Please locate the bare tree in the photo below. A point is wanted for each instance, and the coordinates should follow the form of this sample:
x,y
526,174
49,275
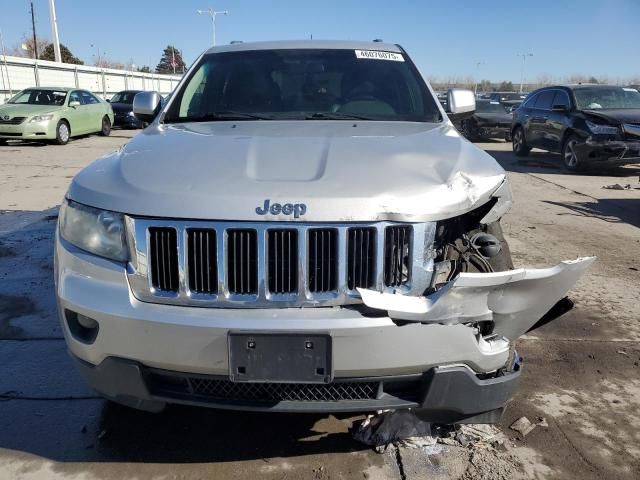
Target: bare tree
x,y
29,51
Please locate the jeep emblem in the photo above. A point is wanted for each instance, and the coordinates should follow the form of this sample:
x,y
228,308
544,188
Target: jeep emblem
x,y
297,209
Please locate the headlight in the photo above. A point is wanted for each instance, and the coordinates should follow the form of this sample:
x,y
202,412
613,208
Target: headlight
x,y
598,129
97,231
131,114
41,118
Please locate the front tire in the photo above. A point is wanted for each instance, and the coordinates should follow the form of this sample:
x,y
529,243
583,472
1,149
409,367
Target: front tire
x,y
63,133
570,158
105,131
519,143
469,131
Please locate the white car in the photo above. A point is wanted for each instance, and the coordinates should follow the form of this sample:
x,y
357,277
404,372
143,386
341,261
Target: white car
x,y
300,228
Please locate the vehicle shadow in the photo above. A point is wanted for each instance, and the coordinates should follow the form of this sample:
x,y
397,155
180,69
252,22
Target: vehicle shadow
x,y
46,409
544,162
614,210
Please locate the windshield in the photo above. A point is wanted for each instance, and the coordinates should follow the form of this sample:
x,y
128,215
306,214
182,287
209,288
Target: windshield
x,y
603,98
304,84
490,107
124,97
40,97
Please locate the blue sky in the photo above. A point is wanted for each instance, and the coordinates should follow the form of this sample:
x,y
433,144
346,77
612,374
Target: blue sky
x,y
446,39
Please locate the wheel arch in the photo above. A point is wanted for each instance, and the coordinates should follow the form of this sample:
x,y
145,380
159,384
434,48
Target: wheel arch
x,y
65,120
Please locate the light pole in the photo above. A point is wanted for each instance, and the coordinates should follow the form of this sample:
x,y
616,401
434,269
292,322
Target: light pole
x,y
475,86
212,13
524,58
54,30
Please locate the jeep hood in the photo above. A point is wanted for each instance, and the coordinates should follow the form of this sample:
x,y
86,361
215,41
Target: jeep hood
x,y
341,171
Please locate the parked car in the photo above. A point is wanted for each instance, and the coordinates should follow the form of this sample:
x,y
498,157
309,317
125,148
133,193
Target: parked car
x,y
590,125
51,113
489,120
506,96
122,104
299,240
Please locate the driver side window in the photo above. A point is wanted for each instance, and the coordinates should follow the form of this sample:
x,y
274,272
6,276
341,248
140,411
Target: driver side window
x,y
74,97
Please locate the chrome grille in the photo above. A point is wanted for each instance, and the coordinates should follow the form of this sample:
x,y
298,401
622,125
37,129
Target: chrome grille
x,y
12,121
361,257
323,260
242,261
163,249
275,264
396,256
282,260
202,260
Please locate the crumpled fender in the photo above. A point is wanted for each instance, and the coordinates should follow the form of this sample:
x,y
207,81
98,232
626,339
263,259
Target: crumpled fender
x,y
514,300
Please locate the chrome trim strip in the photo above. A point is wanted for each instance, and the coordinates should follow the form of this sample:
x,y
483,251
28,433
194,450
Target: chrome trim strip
x,y
138,273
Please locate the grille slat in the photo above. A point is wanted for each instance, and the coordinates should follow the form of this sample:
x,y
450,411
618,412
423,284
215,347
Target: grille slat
x,y
282,260
323,260
396,256
201,260
12,121
361,259
163,245
242,261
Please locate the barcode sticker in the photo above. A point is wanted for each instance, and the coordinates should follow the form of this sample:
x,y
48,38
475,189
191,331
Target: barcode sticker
x,y
378,55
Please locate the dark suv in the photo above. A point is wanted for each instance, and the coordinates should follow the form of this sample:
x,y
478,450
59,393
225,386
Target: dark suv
x,y
587,124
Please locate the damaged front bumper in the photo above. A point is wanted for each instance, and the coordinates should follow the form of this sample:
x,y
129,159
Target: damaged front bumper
x,y
610,151
512,301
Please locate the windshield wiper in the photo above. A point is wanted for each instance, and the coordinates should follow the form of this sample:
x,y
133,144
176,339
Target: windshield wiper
x,y
219,116
335,116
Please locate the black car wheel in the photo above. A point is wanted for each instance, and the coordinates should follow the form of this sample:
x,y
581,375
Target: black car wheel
x,y
106,126
63,133
519,143
469,130
570,157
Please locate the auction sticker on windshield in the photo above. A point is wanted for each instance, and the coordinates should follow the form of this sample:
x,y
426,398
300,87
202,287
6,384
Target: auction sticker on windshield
x,y
377,55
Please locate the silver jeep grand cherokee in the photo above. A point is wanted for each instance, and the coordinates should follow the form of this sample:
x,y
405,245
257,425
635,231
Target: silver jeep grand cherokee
x,y
300,228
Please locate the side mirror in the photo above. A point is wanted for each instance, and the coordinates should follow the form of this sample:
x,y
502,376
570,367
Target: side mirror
x,y
560,108
460,101
108,100
146,105
74,104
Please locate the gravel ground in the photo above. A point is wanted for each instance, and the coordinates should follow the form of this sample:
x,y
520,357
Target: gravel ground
x,y
581,372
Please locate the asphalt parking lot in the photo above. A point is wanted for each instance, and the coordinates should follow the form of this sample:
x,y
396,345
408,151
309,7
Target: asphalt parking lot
x,y
581,375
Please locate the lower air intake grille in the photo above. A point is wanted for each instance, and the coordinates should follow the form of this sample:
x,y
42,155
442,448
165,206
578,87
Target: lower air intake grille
x,y
242,261
202,260
276,392
361,251
396,256
323,260
163,253
282,263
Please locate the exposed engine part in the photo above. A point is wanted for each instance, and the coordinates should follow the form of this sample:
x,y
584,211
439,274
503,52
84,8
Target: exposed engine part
x,y
463,244
486,244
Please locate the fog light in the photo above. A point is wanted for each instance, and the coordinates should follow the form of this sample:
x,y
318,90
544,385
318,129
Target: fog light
x,y
82,328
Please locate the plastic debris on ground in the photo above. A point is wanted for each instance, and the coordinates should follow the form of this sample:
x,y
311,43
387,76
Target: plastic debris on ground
x,y
404,428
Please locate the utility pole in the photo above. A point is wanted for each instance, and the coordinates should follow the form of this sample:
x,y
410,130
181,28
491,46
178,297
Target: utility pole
x,y
6,68
54,30
173,58
524,58
33,28
212,13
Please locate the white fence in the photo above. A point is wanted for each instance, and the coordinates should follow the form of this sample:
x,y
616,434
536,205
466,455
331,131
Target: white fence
x,y
17,73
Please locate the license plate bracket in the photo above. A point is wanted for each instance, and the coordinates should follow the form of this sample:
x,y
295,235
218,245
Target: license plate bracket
x,y
280,358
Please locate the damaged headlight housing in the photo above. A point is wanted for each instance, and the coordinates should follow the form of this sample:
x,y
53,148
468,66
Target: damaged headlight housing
x,y
100,232
599,129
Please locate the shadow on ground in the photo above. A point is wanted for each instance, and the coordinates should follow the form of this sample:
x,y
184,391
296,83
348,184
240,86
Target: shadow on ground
x,y
615,210
545,162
